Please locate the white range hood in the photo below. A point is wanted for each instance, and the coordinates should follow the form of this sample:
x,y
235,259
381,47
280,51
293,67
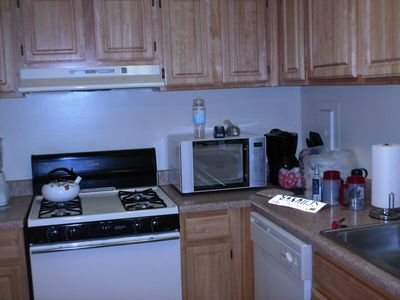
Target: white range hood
x,y
97,78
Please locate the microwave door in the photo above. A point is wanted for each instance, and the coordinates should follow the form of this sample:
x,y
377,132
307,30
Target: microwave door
x,y
205,178
219,166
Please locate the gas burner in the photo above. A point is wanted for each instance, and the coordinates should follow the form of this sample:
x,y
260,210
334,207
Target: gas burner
x,y
139,200
49,209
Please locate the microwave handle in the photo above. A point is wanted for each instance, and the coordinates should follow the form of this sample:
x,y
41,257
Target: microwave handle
x,y
246,163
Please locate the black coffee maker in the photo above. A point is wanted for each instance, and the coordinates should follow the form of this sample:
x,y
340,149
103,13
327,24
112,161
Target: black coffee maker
x,y
281,152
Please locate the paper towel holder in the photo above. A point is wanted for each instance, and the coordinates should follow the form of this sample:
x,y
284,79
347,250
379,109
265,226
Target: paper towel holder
x,y
386,214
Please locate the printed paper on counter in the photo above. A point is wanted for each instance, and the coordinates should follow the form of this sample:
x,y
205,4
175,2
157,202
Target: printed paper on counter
x,y
297,203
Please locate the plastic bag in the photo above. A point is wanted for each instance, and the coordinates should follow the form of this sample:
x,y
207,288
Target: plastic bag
x,y
341,160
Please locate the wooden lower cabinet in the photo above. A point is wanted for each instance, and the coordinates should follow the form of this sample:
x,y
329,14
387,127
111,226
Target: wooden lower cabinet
x,y
217,255
13,271
207,269
332,281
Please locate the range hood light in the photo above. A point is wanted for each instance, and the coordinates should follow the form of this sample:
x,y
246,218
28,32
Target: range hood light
x,y
90,79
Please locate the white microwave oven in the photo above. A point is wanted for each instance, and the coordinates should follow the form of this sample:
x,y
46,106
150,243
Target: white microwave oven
x,y
209,164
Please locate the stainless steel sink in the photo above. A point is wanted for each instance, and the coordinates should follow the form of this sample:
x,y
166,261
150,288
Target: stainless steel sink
x,y
378,244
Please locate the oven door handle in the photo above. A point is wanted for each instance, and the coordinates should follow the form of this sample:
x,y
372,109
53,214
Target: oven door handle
x,y
100,243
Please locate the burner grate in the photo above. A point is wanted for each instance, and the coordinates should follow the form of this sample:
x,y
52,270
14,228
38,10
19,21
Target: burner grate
x,y
50,209
139,200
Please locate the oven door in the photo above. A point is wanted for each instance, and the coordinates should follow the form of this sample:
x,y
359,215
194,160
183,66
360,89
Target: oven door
x,y
139,267
220,164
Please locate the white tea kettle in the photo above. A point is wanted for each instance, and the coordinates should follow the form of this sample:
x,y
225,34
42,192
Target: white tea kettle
x,y
61,190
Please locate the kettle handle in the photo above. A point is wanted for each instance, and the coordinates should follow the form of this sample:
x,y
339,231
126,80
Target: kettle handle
x,y
65,170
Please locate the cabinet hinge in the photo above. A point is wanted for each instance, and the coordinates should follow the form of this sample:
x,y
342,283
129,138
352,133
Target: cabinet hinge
x,y
163,73
155,46
22,50
159,3
268,70
18,5
231,254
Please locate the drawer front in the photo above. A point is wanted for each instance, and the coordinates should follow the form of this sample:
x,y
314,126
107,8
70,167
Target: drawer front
x,y
208,227
331,282
11,244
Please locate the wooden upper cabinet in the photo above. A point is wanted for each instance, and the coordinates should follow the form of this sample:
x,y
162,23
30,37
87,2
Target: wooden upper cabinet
x,y
3,66
332,38
291,40
7,49
379,27
187,42
53,30
244,41
123,30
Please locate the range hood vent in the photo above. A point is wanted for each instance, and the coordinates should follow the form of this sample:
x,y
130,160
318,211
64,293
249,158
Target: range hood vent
x,y
83,79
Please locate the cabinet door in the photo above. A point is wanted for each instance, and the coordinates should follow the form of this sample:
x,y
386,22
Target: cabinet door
x,y
123,29
53,30
291,40
13,271
11,285
380,37
332,39
332,282
244,45
209,272
6,47
187,42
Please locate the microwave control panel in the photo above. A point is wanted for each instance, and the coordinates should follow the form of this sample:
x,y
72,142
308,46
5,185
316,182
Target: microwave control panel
x,y
257,162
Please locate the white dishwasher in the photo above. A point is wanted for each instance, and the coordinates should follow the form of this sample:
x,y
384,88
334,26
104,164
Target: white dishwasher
x,y
282,262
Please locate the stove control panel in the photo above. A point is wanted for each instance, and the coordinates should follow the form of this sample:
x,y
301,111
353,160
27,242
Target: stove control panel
x,y
102,229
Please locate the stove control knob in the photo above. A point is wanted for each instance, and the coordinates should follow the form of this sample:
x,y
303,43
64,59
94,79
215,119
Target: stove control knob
x,y
53,233
70,232
105,229
137,226
155,223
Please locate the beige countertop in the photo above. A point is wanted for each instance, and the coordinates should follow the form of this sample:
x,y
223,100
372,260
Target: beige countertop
x,y
210,200
13,215
306,226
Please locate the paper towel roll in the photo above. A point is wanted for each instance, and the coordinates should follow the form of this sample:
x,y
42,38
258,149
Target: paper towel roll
x,y
385,174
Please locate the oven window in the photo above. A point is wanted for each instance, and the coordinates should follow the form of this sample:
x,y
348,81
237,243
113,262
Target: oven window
x,y
220,164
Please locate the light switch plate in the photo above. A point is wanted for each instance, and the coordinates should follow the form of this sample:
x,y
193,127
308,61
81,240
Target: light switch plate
x,y
328,125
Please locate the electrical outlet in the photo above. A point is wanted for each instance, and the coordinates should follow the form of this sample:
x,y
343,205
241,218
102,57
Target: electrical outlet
x,y
328,124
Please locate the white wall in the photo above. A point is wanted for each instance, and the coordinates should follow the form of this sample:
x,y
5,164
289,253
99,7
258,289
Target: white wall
x,y
367,115
92,121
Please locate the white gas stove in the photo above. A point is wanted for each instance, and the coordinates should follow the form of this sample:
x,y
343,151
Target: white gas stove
x,y
102,205
122,230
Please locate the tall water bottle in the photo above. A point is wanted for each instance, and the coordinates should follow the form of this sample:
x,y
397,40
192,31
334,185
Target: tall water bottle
x,y
199,118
